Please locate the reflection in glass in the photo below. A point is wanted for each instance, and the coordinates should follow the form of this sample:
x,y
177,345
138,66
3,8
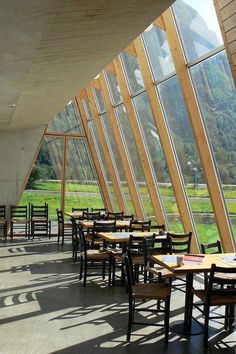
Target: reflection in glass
x,y
82,190
87,110
217,98
44,183
99,101
133,73
158,52
157,160
113,150
198,26
67,121
182,137
137,169
114,88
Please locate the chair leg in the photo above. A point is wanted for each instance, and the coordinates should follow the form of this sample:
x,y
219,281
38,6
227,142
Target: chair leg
x,y
85,274
130,320
167,319
103,269
81,269
206,327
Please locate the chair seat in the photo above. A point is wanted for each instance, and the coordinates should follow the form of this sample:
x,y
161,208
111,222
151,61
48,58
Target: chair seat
x,y
216,300
96,254
225,276
2,222
151,291
165,273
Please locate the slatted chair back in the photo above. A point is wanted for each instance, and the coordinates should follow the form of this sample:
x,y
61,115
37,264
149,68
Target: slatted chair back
x,y
102,210
137,225
80,209
128,217
18,212
103,226
158,228
39,211
211,248
114,215
3,212
180,243
92,216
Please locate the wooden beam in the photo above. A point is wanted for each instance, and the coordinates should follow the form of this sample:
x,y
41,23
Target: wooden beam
x,y
148,173
69,135
116,185
63,174
122,151
200,135
110,68
174,172
101,180
131,50
160,23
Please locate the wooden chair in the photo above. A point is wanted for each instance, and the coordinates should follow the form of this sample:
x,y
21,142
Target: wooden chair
x,y
99,226
210,248
64,228
98,209
220,291
158,229
39,221
92,216
3,222
80,209
137,225
180,244
145,291
19,222
114,215
92,258
75,239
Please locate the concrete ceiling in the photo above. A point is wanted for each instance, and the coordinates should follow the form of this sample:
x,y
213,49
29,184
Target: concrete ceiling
x,y
50,49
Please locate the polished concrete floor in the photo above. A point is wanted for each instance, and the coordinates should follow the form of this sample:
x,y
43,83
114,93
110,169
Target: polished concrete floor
x,y
45,309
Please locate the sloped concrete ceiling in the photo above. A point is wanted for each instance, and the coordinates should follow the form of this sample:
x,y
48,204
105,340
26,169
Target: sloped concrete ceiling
x,y
50,49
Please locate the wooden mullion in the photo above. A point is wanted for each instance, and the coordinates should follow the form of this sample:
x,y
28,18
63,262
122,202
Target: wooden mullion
x,y
101,181
200,134
102,138
63,174
175,176
148,173
121,149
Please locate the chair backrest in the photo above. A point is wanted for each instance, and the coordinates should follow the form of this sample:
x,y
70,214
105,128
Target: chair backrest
x,y
103,226
211,248
136,245
129,272
98,209
60,217
92,216
139,225
80,209
39,211
222,282
2,211
114,215
19,212
180,243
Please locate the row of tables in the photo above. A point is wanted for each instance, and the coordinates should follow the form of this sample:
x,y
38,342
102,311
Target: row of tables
x,y
188,268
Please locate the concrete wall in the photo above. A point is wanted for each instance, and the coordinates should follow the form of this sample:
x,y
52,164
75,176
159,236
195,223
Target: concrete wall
x,y
17,151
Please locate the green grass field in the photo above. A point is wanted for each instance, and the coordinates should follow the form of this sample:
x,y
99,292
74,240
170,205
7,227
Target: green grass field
x,y
206,228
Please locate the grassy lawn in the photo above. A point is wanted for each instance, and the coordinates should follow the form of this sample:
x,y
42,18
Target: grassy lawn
x,y
206,229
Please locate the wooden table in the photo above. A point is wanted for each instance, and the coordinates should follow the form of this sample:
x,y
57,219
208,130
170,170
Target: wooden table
x,y
122,237
189,269
73,214
88,224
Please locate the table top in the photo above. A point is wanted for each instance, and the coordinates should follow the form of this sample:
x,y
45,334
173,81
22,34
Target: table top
x,y
119,223
123,237
73,214
227,260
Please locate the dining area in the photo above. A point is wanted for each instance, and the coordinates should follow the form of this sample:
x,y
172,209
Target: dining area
x,y
154,266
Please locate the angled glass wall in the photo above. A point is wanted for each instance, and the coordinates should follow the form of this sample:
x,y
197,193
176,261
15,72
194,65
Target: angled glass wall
x,y
82,190
44,183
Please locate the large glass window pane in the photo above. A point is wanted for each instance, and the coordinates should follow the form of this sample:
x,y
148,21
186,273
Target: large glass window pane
x,y
99,101
158,52
187,154
116,161
67,121
114,88
82,188
44,184
198,27
217,98
133,73
103,165
157,160
135,162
